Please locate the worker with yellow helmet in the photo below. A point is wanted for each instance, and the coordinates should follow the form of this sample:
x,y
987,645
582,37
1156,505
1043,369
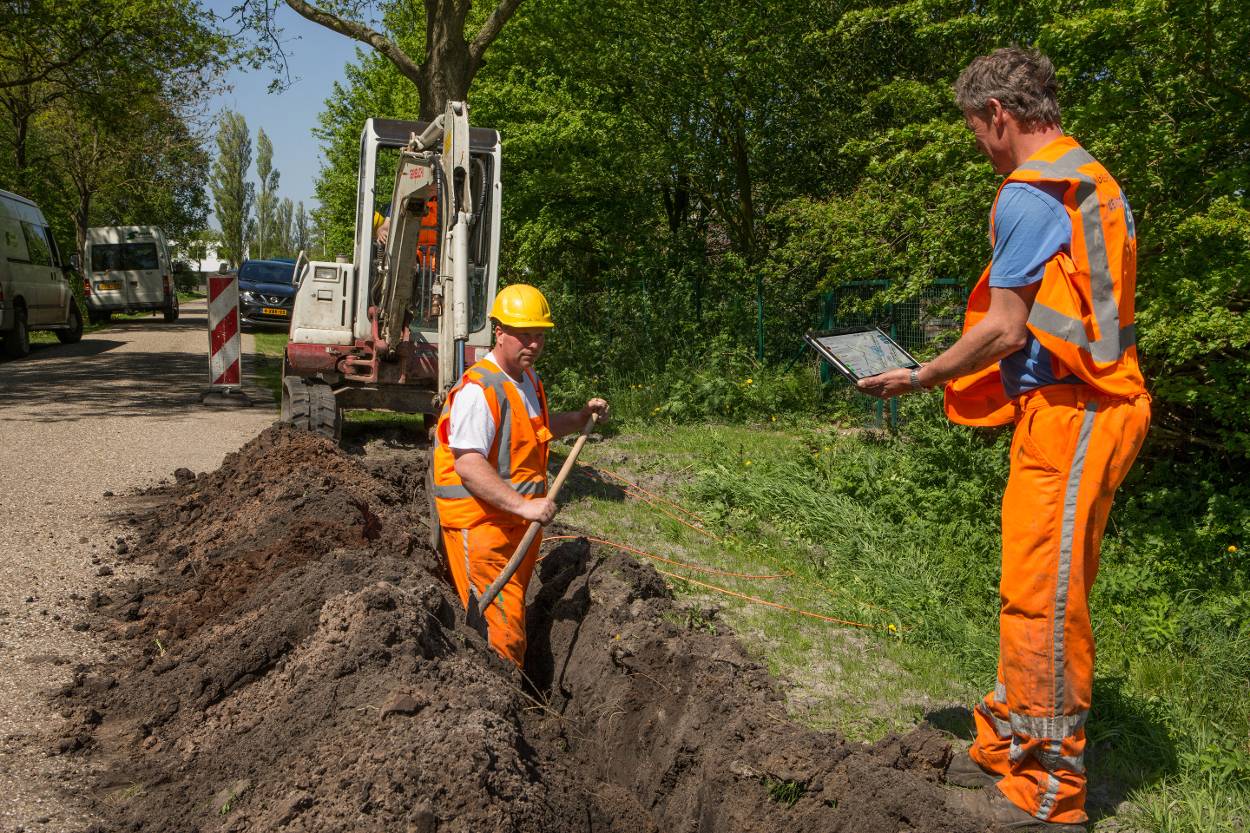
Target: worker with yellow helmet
x,y
490,463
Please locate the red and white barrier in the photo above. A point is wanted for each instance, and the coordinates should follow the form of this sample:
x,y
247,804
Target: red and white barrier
x,y
224,341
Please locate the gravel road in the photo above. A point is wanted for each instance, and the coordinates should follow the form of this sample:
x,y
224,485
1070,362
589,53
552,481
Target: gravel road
x,y
116,411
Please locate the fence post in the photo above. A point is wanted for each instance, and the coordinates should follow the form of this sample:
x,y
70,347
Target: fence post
x,y
893,400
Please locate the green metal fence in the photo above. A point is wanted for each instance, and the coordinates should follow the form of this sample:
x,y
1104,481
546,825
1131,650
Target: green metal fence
x,y
922,325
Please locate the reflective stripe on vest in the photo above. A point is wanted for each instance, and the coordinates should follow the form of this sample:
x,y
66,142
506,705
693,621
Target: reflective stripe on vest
x,y
457,506
1083,310
456,492
1113,339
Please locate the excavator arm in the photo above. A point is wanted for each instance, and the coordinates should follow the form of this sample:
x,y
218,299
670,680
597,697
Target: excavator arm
x,y
426,262
390,327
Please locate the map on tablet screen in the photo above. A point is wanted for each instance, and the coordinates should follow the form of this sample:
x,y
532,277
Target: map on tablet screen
x,y
860,353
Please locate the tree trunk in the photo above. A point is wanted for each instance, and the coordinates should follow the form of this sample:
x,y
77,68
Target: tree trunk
x,y
447,70
450,61
82,220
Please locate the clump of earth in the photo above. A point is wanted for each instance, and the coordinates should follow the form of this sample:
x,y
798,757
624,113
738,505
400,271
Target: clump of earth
x,y
296,659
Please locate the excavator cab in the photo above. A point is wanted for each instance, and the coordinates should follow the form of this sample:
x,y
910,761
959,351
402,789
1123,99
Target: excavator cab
x,y
394,326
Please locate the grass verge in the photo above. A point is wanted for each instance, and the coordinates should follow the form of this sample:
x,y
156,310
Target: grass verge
x,y
266,360
266,367
903,531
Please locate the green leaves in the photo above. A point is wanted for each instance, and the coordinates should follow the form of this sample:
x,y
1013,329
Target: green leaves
x,y
233,194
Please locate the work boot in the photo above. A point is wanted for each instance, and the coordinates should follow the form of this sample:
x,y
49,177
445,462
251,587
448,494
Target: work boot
x,y
995,809
965,772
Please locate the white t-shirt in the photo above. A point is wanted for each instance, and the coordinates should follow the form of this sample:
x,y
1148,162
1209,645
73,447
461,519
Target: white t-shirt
x,y
472,426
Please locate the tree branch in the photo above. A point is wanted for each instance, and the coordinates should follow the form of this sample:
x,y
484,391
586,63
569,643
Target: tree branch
x,y
47,70
489,31
358,31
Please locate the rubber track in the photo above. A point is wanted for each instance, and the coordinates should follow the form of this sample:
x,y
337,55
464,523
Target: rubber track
x,y
313,408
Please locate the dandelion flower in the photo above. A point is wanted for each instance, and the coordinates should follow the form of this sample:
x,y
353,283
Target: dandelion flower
x,y
749,382
891,628
1232,548
746,463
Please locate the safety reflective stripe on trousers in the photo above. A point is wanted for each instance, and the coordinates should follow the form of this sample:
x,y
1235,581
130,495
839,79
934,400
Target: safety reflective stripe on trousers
x,y
1113,340
1052,784
1067,536
468,580
1023,725
1001,727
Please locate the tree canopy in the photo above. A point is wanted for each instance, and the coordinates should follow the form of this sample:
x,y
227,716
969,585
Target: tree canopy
x,y
233,194
100,102
670,171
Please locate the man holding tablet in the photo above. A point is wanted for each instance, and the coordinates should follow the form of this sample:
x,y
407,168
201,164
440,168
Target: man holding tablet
x,y
1048,343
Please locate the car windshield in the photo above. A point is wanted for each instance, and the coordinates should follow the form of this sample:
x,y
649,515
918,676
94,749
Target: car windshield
x,y
107,257
262,272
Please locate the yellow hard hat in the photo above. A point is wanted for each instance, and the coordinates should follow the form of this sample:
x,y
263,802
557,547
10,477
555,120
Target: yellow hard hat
x,y
521,306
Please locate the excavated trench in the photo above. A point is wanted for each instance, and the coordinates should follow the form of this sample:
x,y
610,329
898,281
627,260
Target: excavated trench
x,y
295,659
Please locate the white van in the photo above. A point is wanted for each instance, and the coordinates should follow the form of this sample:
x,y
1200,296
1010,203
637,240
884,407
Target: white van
x,y
128,270
34,288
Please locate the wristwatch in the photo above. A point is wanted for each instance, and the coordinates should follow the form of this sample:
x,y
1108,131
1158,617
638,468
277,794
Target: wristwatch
x,y
915,379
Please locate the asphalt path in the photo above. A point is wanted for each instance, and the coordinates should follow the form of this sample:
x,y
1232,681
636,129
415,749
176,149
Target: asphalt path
x,y
119,410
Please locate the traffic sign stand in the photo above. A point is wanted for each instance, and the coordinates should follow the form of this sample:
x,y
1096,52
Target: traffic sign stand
x,y
225,360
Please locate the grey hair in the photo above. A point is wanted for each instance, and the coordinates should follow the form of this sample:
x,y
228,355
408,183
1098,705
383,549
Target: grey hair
x,y
1023,80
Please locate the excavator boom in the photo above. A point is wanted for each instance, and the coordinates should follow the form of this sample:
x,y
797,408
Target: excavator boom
x,y
394,329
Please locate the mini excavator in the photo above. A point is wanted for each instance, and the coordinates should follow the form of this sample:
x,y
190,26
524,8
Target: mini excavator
x,y
395,327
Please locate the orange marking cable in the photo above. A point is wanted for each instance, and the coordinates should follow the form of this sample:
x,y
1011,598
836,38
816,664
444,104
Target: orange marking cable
x,y
696,567
638,488
634,490
659,508
638,493
757,600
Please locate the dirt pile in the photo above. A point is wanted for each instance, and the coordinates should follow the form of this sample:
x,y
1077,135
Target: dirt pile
x,y
297,661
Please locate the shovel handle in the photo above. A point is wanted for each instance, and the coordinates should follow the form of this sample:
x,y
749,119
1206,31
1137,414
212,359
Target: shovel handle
x,y
517,557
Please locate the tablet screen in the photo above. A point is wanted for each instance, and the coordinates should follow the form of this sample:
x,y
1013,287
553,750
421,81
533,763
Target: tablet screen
x,y
867,353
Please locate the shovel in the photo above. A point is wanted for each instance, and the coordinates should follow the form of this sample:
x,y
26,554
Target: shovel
x,y
517,557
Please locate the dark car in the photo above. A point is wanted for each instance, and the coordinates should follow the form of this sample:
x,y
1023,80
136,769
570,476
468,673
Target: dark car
x,y
266,293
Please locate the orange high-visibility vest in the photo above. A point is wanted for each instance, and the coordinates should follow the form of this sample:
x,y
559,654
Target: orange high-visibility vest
x,y
518,453
1084,309
427,234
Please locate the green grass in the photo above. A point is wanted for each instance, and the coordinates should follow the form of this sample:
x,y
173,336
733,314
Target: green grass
x,y
266,367
784,792
903,531
865,681
266,362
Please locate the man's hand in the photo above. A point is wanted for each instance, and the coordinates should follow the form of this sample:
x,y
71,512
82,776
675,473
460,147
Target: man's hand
x,y
571,422
539,509
384,231
884,385
595,406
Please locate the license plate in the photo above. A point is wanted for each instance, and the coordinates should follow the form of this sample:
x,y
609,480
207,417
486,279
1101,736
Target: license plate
x,y
108,286
274,311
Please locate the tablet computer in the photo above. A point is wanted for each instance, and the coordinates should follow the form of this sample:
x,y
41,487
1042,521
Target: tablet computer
x,y
860,352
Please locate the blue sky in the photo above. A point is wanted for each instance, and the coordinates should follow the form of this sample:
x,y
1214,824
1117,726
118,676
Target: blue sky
x,y
317,57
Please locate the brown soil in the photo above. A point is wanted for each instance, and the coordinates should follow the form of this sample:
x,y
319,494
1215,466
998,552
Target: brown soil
x,y
297,661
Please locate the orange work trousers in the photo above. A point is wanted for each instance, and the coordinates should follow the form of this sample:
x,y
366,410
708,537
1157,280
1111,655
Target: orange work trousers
x,y
1071,450
476,557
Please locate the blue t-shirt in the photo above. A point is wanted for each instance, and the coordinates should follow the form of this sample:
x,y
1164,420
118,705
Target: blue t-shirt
x,y
1030,227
